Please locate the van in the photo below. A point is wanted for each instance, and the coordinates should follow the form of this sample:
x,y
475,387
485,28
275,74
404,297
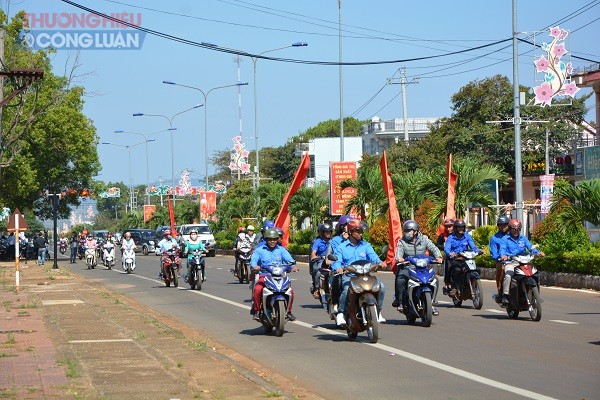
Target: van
x,y
204,234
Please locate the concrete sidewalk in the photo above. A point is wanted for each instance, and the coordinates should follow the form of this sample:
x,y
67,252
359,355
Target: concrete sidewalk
x,y
63,337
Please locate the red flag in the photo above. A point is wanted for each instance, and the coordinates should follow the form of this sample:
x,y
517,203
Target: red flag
x,y
451,177
283,218
171,217
395,223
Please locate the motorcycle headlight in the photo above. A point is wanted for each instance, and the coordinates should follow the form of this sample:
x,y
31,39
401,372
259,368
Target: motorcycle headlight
x,y
421,262
376,286
356,287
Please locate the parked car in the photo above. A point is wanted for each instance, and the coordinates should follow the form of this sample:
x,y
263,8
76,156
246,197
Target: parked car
x,y
204,234
144,239
100,234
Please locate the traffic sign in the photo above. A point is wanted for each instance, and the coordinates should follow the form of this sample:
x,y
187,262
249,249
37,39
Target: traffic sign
x,y
16,220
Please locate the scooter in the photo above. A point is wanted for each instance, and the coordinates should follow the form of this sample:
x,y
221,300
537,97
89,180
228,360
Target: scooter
x,y
422,286
63,247
90,257
128,260
196,276
109,255
325,291
524,293
170,267
276,297
243,264
468,286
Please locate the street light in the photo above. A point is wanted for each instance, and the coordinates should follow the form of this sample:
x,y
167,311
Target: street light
x,y
254,59
129,147
170,119
145,136
205,94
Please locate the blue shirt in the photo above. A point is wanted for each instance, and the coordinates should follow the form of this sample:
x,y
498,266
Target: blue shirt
x,y
319,246
264,256
495,242
510,246
347,253
454,244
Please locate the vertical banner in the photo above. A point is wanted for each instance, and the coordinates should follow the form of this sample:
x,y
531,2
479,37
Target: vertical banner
x,y
208,204
546,189
149,210
394,221
338,172
450,209
171,216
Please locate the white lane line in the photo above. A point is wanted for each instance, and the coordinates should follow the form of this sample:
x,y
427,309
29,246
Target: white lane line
x,y
560,321
60,302
495,311
100,341
431,363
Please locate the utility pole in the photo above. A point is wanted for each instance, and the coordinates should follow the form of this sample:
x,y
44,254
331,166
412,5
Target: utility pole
x,y
403,82
238,61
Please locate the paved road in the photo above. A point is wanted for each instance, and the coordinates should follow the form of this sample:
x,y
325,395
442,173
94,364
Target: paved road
x,y
466,353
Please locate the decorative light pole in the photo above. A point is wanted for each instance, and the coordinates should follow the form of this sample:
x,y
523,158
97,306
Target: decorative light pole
x,y
256,183
205,94
170,119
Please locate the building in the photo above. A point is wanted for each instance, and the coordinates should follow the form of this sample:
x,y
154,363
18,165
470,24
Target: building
x,y
379,135
322,151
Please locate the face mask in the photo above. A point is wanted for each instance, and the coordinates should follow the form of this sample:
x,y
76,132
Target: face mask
x,y
408,236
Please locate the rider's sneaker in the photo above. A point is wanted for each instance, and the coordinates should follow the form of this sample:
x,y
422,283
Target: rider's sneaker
x,y
340,320
435,311
254,315
380,318
395,304
445,290
505,301
185,279
160,275
290,316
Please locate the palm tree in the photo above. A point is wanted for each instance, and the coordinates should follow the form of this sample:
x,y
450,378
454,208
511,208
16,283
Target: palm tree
x,y
576,204
270,197
309,203
370,194
408,189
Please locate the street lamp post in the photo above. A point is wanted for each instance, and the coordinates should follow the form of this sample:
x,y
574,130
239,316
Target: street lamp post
x,y
170,119
254,59
146,140
129,147
205,94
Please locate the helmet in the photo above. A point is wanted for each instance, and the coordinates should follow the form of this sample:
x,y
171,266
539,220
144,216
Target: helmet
x,y
240,229
167,232
459,223
515,224
267,224
344,219
448,222
503,220
326,227
250,228
84,232
279,231
355,224
271,233
410,225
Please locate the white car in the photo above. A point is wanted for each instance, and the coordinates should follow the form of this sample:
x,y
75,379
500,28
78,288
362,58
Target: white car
x,y
204,234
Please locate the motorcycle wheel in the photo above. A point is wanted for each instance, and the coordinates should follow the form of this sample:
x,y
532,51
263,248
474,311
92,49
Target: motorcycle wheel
x,y
128,268
426,311
280,314
166,277
241,272
456,302
513,313
108,265
174,277
352,334
372,324
535,309
199,278
477,297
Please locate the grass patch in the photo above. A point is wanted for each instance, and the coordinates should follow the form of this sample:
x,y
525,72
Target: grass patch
x,y
29,304
29,348
273,393
140,336
179,364
22,313
7,305
4,355
31,390
198,346
117,301
71,367
151,321
8,393
10,338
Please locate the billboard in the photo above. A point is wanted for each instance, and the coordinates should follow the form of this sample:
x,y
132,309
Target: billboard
x,y
338,198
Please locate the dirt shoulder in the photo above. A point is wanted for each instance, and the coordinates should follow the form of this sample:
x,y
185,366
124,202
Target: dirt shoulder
x,y
63,337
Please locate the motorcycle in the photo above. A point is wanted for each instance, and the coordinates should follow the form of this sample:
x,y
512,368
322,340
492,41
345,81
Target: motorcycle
x,y
468,286
63,247
363,295
243,265
128,260
524,293
325,291
80,251
421,288
276,297
109,255
90,257
196,275
170,267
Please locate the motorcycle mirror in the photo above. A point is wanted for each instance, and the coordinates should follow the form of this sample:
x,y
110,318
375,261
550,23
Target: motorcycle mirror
x,y
332,257
384,251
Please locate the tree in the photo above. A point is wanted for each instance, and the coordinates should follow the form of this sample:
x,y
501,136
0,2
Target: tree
x,y
311,203
575,204
47,141
369,196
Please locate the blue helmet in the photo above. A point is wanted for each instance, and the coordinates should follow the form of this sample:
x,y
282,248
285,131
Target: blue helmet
x,y
344,219
266,225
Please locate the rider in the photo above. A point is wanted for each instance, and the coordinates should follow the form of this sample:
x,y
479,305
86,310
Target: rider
x,y
81,248
412,243
495,242
353,249
265,255
91,243
109,245
63,241
281,234
239,238
457,242
266,225
74,243
127,243
340,235
440,242
317,252
513,244
192,244
167,243
250,235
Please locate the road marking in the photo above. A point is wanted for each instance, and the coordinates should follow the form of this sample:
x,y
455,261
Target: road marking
x,y
495,311
100,341
388,349
560,321
60,302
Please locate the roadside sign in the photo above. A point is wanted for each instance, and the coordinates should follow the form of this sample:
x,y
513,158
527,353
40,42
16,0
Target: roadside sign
x,y
20,225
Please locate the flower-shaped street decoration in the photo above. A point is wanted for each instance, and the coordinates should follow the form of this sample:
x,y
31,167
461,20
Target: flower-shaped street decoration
x,y
557,73
185,186
239,157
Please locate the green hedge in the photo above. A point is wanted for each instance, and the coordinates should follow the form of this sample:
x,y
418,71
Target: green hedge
x,y
580,262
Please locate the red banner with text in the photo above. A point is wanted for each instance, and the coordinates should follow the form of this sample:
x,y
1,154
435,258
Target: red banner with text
x,y
339,172
208,204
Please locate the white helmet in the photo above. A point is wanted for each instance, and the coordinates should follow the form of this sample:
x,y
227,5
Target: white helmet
x,y
250,228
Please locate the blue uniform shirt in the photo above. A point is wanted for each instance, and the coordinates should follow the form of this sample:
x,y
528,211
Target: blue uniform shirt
x,y
320,246
454,244
510,246
265,256
347,253
495,242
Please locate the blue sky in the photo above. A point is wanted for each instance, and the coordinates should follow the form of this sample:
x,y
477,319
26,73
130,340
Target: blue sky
x,y
295,96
